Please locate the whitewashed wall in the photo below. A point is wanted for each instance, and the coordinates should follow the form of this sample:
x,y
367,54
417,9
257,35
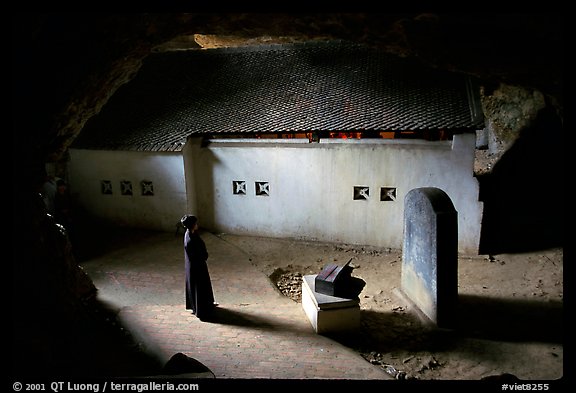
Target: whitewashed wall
x,y
312,187
165,170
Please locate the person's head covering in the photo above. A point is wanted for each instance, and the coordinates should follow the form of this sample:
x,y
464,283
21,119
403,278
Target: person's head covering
x,y
188,221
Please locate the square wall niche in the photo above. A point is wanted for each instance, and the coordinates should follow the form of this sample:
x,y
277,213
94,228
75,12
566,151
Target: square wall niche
x,y
239,187
388,194
262,188
147,188
106,187
126,187
361,193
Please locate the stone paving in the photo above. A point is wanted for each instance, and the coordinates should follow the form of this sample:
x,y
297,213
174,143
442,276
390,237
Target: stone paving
x,y
256,333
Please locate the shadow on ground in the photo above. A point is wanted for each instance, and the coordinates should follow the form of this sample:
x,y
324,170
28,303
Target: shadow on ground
x,y
92,239
510,319
93,344
499,320
226,316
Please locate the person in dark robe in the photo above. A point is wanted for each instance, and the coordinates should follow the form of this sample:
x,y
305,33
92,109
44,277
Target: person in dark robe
x,y
199,294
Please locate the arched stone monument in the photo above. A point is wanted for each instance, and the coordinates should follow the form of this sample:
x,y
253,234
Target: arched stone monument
x,y
430,254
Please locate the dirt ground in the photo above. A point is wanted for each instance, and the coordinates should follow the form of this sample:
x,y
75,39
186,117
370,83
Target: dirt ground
x,y
509,322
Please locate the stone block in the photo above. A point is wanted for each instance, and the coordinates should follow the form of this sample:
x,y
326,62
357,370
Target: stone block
x,y
329,314
430,254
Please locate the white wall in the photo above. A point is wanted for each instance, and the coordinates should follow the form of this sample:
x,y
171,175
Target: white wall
x,y
311,187
165,170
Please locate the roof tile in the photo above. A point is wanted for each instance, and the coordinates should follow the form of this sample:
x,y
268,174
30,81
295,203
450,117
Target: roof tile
x,y
302,87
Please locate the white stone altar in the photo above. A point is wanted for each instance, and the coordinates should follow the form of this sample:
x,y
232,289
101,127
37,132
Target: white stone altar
x,y
329,314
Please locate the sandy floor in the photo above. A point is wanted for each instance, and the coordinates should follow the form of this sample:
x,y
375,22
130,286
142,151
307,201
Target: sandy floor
x,y
510,312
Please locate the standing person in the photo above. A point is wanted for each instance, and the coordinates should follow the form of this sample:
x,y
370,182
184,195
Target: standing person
x,y
199,295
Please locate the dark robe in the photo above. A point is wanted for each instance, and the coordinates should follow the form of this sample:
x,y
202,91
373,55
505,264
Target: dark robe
x,y
199,295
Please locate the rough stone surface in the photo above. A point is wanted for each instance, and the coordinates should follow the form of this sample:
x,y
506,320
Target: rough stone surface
x,y
429,257
509,109
66,66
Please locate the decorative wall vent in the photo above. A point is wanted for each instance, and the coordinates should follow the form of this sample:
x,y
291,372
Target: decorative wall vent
x,y
106,187
126,187
388,193
262,188
147,188
239,187
361,193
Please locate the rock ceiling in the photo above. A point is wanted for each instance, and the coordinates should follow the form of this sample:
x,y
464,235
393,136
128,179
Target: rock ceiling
x,y
66,66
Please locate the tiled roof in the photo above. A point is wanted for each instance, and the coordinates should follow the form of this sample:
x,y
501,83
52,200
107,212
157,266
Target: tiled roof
x,y
278,88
